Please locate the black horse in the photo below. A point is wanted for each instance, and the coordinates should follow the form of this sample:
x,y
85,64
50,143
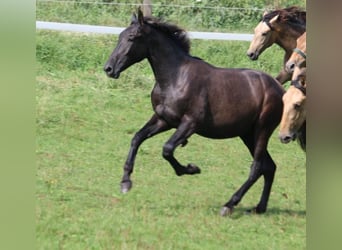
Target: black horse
x,y
196,97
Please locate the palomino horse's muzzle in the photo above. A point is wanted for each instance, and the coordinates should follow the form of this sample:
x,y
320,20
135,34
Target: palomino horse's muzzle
x,y
287,138
253,55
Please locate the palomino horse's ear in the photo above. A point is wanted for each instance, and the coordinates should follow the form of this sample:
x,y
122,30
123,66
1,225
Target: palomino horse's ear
x,y
140,16
274,19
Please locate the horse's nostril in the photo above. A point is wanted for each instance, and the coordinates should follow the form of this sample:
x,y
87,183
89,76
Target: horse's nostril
x,y
108,69
285,139
289,67
253,56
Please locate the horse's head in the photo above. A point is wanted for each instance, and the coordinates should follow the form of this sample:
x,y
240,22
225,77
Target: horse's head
x,y
294,113
298,57
299,75
264,37
297,60
131,47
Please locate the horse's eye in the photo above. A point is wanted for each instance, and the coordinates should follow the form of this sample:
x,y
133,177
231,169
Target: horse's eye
x,y
264,33
302,64
296,106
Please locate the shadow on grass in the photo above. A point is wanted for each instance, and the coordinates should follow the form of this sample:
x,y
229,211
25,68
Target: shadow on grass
x,y
180,207
245,211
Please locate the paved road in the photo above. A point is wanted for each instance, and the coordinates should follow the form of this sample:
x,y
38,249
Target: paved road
x,y
116,30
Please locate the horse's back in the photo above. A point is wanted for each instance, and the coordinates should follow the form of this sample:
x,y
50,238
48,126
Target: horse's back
x,y
239,98
235,77
236,85
247,83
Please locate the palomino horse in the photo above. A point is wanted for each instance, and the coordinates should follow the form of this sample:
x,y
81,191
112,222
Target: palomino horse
x,y
193,96
293,121
282,27
297,60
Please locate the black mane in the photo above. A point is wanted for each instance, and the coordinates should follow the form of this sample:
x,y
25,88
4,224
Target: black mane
x,y
177,34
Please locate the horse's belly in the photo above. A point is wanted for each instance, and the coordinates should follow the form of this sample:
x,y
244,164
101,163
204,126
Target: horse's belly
x,y
226,130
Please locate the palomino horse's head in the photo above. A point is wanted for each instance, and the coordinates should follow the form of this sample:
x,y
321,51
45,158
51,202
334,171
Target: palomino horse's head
x,y
298,57
299,75
294,112
264,37
131,47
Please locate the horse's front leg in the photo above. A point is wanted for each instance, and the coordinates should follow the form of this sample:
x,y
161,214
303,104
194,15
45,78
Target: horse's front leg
x,y
151,128
283,76
183,132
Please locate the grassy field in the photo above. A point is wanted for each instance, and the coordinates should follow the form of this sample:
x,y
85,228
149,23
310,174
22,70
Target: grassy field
x,y
85,122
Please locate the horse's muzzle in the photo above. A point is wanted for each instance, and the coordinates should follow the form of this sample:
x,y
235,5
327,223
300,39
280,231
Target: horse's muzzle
x,y
289,67
110,72
287,138
253,56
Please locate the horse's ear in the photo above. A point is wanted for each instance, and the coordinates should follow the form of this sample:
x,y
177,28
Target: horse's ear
x,y
140,17
133,18
265,13
274,19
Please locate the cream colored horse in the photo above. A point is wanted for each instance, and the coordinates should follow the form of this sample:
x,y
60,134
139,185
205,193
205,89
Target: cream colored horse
x,y
293,121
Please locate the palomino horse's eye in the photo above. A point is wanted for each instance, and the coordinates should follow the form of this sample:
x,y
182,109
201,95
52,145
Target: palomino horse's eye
x,y
296,106
264,34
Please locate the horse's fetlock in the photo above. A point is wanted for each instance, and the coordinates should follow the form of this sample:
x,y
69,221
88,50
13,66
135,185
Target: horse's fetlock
x,y
167,151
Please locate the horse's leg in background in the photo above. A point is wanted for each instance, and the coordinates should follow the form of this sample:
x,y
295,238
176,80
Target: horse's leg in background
x,y
151,128
183,132
283,76
262,165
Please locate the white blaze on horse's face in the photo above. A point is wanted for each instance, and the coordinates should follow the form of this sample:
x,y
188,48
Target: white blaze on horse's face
x,y
263,38
294,114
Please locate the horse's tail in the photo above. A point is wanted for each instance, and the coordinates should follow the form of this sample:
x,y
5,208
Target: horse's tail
x,y
301,136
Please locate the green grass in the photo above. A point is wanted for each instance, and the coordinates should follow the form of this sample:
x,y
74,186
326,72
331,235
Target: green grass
x,y
204,15
85,122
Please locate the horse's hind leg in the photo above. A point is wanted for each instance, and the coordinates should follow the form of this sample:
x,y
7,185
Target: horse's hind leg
x,y
262,165
183,132
151,128
268,171
254,175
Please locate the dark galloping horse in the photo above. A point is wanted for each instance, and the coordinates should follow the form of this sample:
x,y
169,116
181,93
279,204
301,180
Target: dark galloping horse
x,y
196,97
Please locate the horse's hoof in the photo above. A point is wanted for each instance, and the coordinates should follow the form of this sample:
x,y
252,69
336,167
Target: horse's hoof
x,y
255,210
126,186
193,169
226,211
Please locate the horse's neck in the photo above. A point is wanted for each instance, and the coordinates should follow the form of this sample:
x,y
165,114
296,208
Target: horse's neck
x,y
287,39
165,60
